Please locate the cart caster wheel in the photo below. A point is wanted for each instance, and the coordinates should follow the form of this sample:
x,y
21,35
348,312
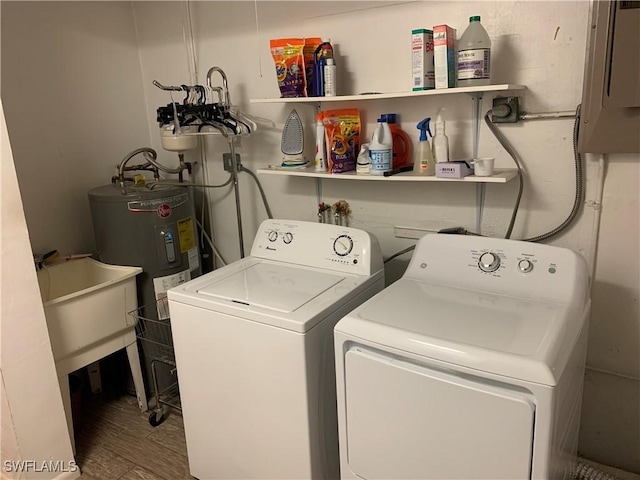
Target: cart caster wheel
x,y
155,421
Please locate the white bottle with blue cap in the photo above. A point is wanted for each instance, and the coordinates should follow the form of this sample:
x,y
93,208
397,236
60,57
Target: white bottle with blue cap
x,y
381,149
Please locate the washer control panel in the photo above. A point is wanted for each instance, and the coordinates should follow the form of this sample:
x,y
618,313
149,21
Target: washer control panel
x,y
317,244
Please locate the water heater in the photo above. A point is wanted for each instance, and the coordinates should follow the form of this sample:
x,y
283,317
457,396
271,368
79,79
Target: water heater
x,y
153,229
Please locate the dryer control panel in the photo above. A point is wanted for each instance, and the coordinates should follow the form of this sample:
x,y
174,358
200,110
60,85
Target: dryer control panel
x,y
507,267
320,245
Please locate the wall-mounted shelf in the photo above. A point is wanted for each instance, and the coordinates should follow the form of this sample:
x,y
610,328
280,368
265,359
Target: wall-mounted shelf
x,y
500,176
381,96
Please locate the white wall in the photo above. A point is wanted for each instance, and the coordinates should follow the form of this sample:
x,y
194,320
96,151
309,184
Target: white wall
x,y
73,97
610,429
31,404
538,44
372,41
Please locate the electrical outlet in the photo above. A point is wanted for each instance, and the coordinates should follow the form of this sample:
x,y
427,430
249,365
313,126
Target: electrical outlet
x,y
513,103
228,164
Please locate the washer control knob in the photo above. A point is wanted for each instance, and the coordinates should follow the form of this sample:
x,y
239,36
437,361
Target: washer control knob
x,y
287,238
343,245
525,266
272,236
489,262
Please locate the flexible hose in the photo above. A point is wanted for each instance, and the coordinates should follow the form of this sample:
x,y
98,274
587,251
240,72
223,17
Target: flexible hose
x,y
152,160
579,179
587,472
153,185
507,146
580,190
401,252
264,197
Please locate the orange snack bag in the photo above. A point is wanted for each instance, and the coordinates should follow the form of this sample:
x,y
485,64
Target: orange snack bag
x,y
288,55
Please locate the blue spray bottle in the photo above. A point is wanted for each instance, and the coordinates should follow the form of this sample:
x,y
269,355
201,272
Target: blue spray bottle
x,y
424,163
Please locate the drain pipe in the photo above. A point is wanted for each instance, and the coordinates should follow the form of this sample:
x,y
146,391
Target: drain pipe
x,y
588,472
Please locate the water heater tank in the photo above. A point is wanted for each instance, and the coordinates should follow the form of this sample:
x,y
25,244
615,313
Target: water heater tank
x,y
153,229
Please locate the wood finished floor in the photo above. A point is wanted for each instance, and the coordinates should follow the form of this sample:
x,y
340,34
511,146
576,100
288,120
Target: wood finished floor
x,y
116,442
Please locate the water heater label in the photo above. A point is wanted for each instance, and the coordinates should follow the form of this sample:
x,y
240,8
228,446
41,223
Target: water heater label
x,y
186,234
159,205
160,287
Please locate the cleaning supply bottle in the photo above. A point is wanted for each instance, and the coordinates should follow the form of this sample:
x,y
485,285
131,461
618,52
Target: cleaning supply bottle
x,y
381,149
424,164
474,55
322,53
330,78
363,163
440,140
401,142
320,158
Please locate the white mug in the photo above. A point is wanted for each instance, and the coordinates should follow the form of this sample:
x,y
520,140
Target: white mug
x,y
483,167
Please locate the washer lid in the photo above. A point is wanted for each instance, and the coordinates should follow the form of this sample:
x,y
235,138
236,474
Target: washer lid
x,y
271,286
509,336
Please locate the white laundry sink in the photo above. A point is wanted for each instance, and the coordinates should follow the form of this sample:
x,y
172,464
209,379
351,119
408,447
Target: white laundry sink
x,y
86,304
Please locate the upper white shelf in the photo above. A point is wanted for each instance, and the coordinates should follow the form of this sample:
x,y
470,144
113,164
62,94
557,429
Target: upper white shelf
x,y
381,96
499,176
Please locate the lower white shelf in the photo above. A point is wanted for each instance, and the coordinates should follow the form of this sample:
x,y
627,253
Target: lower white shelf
x,y
501,175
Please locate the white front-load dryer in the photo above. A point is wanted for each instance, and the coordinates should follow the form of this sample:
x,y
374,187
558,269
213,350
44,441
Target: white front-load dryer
x,y
469,367
254,351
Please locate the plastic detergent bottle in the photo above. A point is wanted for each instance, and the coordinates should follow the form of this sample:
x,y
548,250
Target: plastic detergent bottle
x,y
401,142
474,55
440,140
381,149
424,164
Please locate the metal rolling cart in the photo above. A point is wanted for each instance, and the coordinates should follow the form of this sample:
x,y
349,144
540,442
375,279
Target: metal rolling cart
x,y
153,329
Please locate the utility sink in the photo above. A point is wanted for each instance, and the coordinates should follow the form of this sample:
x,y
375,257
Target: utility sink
x,y
86,304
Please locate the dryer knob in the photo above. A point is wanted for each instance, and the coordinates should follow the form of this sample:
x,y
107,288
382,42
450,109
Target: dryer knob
x,y
525,265
272,236
489,262
288,237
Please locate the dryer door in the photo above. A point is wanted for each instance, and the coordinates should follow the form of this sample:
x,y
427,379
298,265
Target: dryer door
x,y
412,422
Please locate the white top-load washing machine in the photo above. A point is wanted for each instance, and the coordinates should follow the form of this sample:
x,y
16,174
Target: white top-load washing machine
x,y
254,351
469,367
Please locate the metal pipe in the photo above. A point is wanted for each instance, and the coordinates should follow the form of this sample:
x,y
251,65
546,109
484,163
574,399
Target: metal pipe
x,y
539,116
236,191
121,168
159,166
